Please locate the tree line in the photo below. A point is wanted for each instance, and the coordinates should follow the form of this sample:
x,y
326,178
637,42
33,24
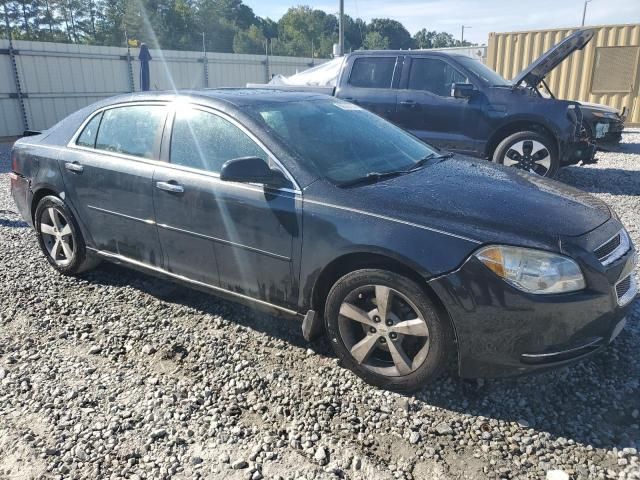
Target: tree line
x,y
217,25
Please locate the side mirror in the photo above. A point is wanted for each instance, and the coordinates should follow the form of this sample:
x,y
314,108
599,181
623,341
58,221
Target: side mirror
x,y
251,170
463,90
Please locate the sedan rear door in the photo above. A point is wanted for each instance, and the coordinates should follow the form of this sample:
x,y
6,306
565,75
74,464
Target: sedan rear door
x,y
107,170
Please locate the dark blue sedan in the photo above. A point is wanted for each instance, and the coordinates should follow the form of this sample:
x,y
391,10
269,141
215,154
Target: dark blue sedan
x,y
313,207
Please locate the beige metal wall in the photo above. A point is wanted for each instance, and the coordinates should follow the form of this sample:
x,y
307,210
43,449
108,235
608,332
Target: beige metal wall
x,y
598,74
57,79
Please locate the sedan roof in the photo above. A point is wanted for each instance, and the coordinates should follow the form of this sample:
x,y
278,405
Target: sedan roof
x,y
238,97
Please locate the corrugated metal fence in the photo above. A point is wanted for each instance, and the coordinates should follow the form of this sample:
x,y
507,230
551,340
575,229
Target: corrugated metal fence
x,y
56,78
607,71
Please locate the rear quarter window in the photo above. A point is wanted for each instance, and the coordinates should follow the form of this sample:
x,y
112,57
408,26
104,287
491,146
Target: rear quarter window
x,y
88,136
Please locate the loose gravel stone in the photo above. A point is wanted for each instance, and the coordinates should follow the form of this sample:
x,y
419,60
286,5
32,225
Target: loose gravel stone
x,y
118,376
557,475
239,464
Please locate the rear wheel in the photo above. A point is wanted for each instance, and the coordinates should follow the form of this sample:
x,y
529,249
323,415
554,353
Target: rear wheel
x,y
60,238
529,151
385,328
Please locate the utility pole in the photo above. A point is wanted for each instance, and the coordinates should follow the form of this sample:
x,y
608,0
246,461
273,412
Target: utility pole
x,y
462,35
341,29
584,11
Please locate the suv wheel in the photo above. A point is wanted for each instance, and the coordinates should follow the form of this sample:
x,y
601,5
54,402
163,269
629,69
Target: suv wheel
x,y
529,151
60,238
384,327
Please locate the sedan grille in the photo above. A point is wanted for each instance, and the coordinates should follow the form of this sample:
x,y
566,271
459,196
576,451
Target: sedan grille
x,y
626,290
614,248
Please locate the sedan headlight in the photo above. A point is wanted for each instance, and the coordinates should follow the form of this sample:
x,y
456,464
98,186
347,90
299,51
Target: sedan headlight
x,y
532,271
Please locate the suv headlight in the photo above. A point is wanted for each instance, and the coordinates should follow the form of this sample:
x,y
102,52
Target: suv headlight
x,y
611,115
532,271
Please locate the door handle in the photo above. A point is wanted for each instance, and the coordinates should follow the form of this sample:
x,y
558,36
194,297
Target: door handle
x,y
409,103
74,167
170,187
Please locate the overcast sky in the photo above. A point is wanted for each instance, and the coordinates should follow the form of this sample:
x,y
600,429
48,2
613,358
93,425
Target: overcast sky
x,y
482,16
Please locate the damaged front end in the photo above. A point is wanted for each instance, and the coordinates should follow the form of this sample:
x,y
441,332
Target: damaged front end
x,y
581,149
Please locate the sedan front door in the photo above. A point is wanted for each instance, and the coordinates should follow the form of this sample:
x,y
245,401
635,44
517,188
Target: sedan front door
x,y
233,236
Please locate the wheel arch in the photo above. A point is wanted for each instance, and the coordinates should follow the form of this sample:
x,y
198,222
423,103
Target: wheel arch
x,y
47,189
39,194
518,126
350,262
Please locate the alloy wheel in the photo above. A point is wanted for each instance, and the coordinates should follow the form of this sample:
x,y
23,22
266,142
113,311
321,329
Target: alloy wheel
x,y
57,236
529,155
383,330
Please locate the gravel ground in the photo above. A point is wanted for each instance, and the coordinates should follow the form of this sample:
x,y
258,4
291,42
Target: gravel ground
x,y
114,376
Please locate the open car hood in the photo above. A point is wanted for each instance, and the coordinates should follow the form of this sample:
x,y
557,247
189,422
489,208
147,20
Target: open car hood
x,y
535,73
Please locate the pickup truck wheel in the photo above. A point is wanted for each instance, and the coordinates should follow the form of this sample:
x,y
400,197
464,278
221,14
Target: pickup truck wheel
x,y
60,238
385,329
529,151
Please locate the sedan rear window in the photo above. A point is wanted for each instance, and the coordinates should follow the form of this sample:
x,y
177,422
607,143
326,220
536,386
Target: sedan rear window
x,y
132,130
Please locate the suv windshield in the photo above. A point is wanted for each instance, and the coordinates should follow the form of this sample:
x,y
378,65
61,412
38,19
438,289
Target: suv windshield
x,y
483,72
342,141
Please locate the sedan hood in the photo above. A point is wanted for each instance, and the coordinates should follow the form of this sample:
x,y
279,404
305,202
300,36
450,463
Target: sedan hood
x,y
535,73
482,201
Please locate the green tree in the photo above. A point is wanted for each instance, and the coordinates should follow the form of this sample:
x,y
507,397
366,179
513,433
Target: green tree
x,y
375,41
251,41
303,29
354,33
432,39
394,31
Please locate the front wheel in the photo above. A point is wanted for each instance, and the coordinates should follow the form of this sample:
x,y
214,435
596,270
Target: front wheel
x,y
530,151
384,327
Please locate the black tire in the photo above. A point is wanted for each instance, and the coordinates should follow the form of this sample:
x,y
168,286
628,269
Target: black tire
x,y
506,154
79,261
589,131
440,336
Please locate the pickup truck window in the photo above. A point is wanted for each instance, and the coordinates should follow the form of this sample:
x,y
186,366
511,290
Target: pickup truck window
x,y
483,72
372,72
433,75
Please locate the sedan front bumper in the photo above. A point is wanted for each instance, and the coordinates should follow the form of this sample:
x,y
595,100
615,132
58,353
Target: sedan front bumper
x,y
502,331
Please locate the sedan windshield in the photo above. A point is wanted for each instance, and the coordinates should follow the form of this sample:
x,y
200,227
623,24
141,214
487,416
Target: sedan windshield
x,y
342,141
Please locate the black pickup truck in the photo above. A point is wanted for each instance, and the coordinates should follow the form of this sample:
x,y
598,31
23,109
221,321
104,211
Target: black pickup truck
x,y
457,103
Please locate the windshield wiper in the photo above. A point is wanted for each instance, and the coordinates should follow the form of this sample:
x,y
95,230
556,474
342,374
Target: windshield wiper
x,y
424,160
376,176
371,177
